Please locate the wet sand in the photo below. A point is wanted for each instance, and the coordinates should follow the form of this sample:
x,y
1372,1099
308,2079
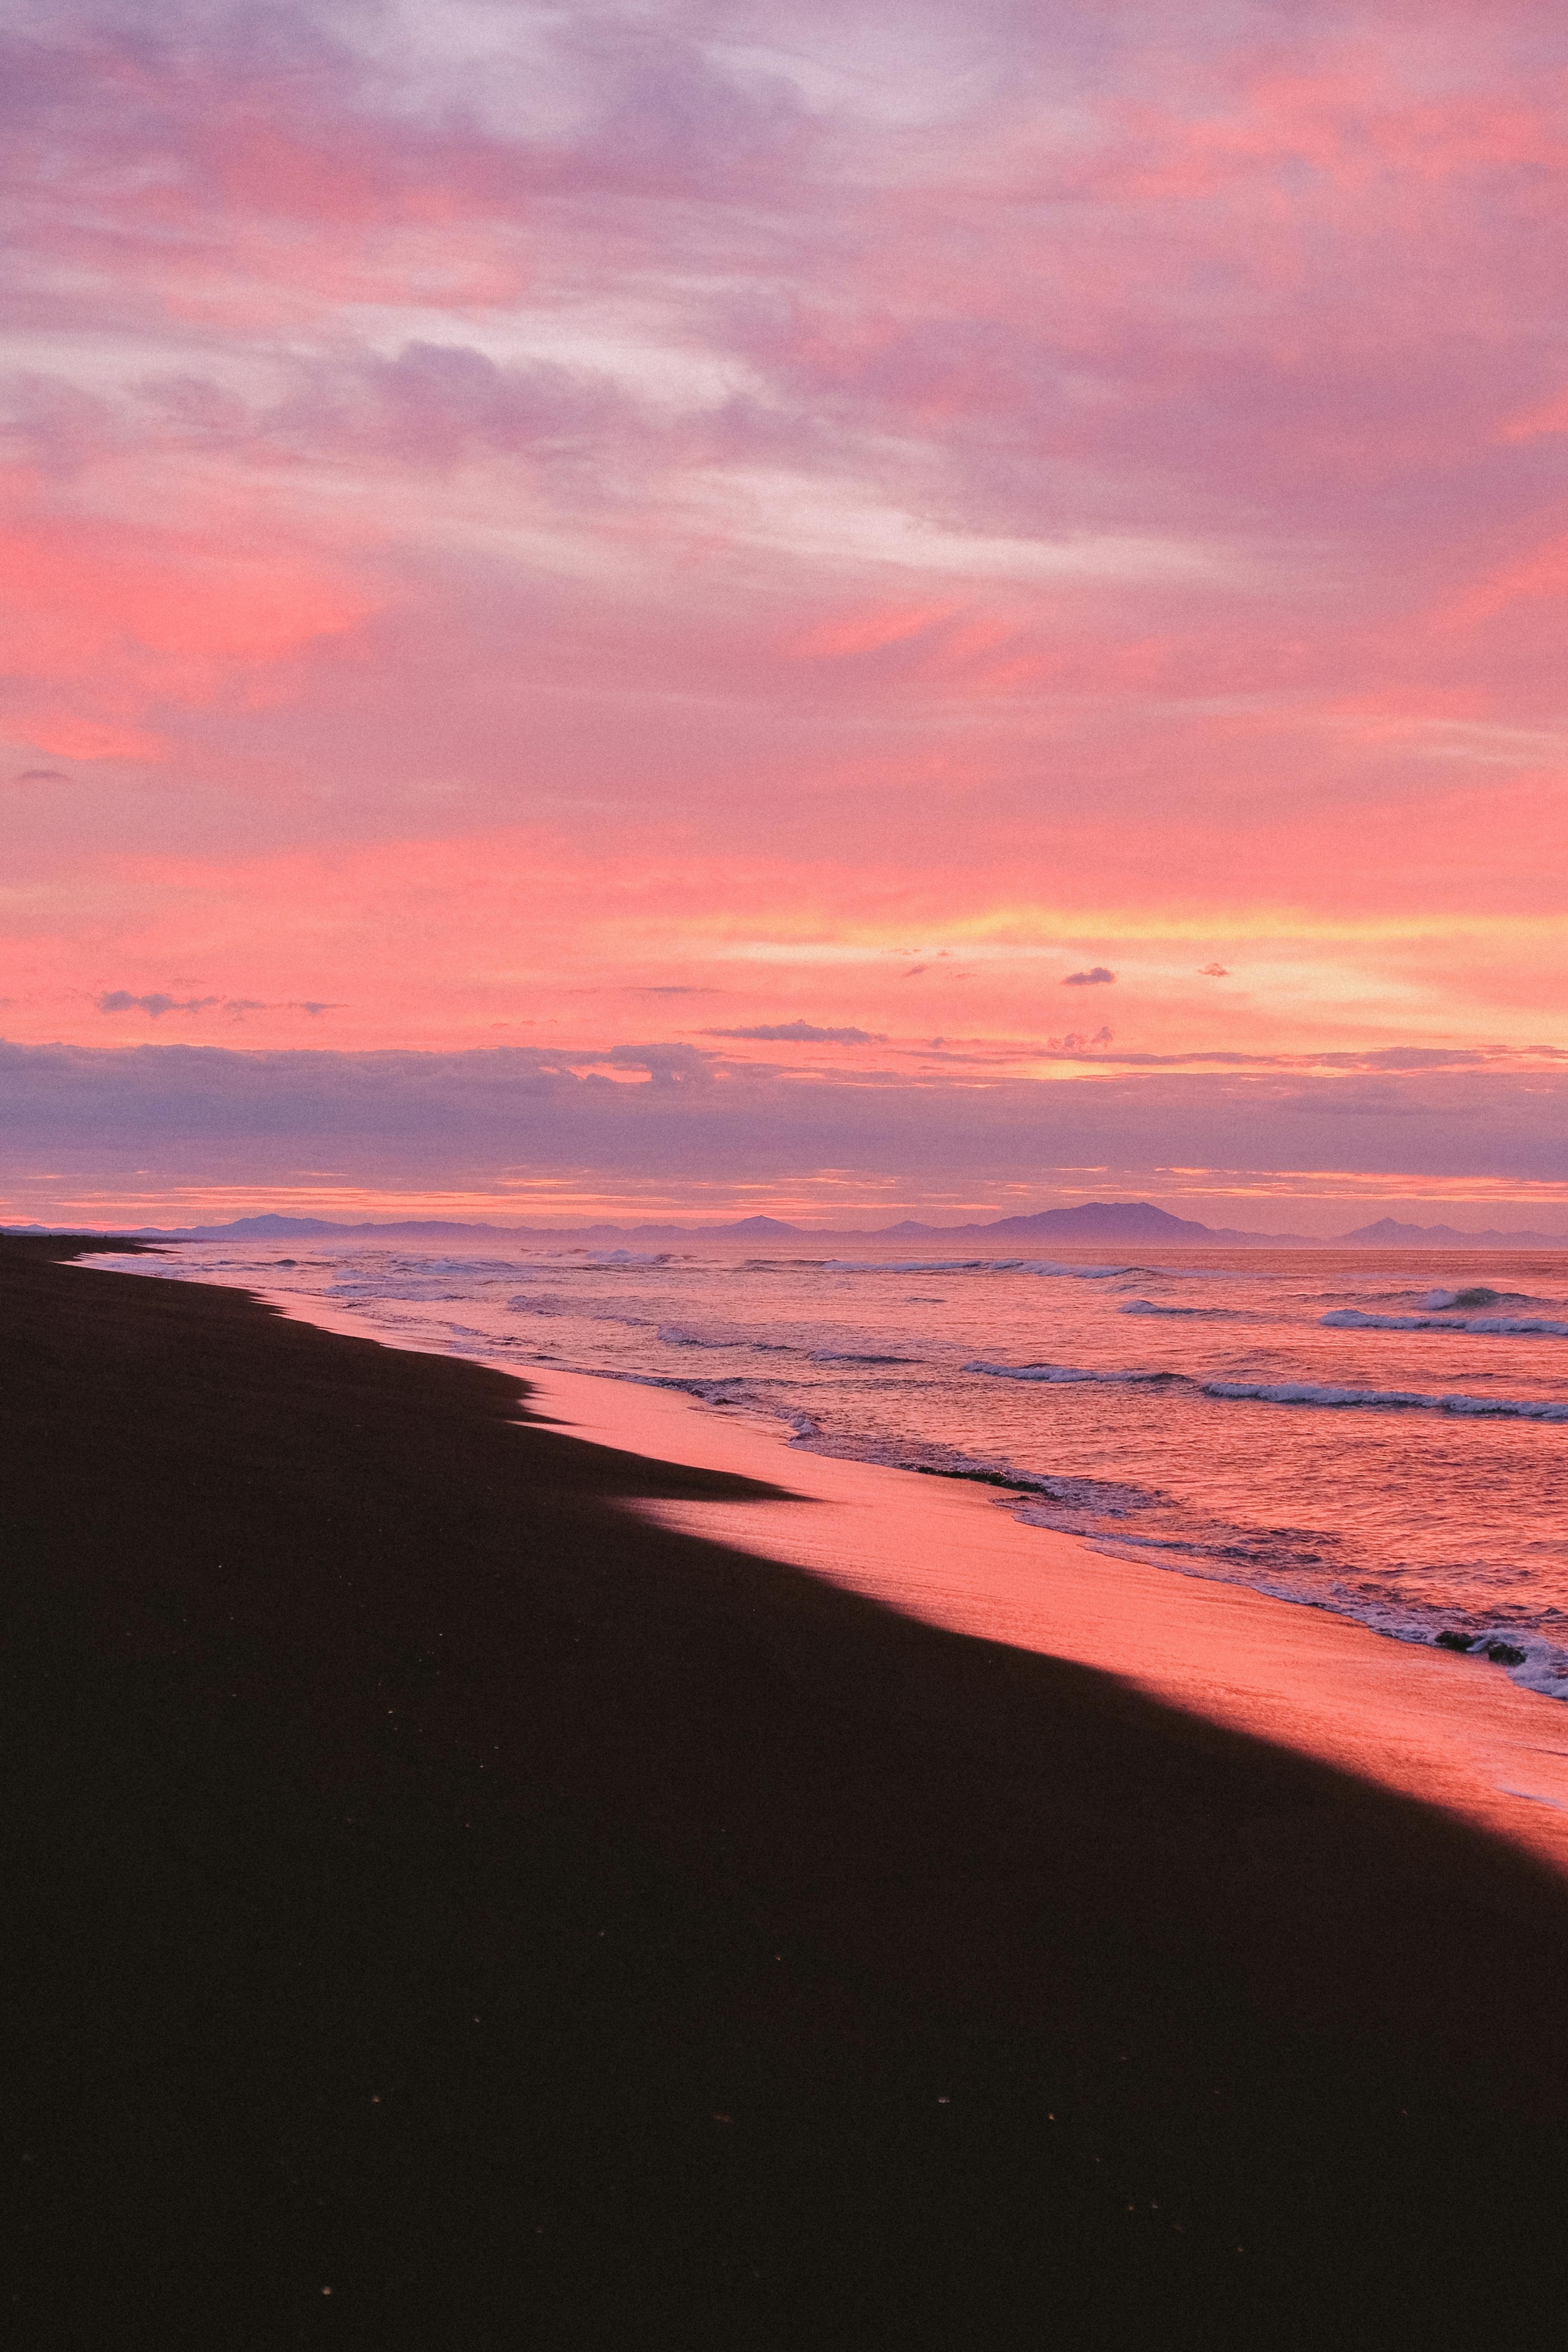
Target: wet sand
x,y
1450,1730
460,1909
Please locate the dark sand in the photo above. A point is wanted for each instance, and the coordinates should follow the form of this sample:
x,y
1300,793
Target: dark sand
x,y
542,1929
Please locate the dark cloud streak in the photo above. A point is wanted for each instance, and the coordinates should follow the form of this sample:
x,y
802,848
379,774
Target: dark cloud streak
x,y
198,1114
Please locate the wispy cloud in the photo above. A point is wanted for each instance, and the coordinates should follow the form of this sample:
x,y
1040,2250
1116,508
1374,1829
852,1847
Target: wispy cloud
x,y
155,1005
513,1121
120,1000
508,510
801,1032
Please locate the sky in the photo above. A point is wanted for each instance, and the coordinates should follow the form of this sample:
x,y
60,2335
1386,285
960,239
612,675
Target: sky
x,y
854,611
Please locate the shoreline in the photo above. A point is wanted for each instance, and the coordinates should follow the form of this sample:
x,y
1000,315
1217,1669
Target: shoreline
x,y
1444,1727
1449,1729
462,1906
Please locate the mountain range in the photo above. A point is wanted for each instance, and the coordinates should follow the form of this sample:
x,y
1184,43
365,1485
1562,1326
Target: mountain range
x,y
1118,1222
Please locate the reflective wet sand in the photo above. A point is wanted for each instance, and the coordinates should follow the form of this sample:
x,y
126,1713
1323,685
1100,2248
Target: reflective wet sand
x,y
1449,1729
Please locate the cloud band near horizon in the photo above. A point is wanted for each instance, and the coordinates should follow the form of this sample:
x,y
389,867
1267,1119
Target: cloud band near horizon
x,y
175,1133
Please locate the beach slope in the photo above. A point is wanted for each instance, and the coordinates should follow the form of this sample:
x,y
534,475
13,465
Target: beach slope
x,y
455,1909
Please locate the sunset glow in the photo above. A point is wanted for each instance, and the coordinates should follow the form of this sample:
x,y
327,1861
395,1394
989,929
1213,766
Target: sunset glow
x,y
691,609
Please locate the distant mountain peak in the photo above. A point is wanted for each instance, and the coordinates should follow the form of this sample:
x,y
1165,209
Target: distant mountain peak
x,y
1388,1232
1116,1222
1107,1220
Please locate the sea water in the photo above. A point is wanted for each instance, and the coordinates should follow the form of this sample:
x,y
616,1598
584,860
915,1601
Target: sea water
x,y
1377,1433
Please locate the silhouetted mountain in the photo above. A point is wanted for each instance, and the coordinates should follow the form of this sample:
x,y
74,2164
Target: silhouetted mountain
x,y
1100,1220
1120,1222
1389,1234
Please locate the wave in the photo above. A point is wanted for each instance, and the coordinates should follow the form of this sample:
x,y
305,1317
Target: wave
x,y
428,1290
1088,1273
1510,1408
1529,1656
1152,1307
1038,1265
918,1265
1063,1375
1321,1393
849,1356
680,1335
1076,1504
431,1266
1387,1400
1350,1318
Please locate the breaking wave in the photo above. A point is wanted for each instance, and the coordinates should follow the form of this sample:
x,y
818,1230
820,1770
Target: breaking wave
x,y
1350,1318
1064,1374
1155,1306
849,1356
1386,1400
1319,1392
1039,1265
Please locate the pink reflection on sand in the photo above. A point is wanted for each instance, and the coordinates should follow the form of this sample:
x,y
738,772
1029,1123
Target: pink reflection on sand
x,y
1450,1731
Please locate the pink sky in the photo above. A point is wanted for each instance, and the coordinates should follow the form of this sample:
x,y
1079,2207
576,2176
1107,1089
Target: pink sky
x,y
541,546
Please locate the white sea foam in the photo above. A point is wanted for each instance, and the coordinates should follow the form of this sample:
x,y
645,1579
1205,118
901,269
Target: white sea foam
x,y
1412,1400
1152,1307
1078,1504
1038,1265
918,1265
427,1268
680,1335
1089,1272
849,1356
1350,1318
1064,1374
1509,1407
408,1288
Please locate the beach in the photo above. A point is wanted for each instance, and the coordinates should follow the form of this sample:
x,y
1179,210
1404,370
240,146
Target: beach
x,y
473,1892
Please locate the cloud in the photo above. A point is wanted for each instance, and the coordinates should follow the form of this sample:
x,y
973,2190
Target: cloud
x,y
119,1000
42,776
533,495
1095,978
441,405
1215,971
1074,1044
801,1032
667,1065
520,1116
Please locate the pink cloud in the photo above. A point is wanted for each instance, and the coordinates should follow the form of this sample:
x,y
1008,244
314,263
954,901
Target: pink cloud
x,y
106,624
667,502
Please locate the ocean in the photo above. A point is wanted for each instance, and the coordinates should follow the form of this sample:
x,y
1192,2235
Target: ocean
x,y
1376,1433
